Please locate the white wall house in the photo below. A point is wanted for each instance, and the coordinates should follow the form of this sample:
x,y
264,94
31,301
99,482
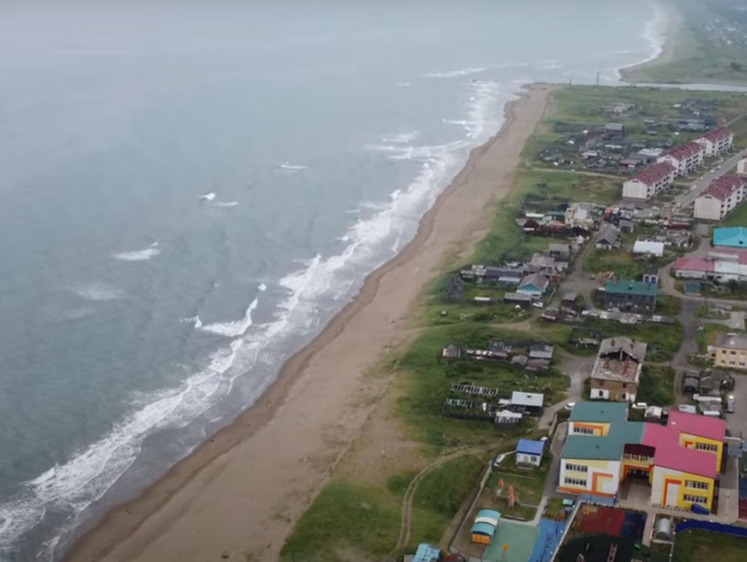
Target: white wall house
x,y
649,182
723,196
685,158
742,167
716,141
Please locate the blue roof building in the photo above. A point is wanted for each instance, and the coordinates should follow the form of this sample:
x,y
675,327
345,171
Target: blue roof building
x,y
427,553
529,452
731,237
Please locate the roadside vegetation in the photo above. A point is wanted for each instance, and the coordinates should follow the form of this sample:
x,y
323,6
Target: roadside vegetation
x,y
693,545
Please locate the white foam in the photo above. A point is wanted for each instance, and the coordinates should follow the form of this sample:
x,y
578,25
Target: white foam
x,y
262,287
288,167
456,73
194,320
226,203
98,292
86,476
208,196
233,329
89,473
401,138
139,255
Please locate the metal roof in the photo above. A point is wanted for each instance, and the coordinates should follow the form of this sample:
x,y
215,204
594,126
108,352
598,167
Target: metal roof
x,y
531,399
530,447
607,447
608,412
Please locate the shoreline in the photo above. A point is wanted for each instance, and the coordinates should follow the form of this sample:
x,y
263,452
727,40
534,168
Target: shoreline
x,y
675,21
308,404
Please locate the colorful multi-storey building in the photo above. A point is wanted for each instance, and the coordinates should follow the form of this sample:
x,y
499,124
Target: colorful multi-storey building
x,y
680,461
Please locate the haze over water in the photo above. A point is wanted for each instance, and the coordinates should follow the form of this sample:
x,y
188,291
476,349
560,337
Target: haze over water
x,y
190,191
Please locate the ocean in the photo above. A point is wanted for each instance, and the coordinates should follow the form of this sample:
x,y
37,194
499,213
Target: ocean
x,y
191,190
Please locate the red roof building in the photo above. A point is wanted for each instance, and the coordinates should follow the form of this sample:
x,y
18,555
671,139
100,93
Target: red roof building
x,y
684,158
649,182
723,195
716,141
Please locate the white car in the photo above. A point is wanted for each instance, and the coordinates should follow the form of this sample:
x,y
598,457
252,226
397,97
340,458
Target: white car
x,y
640,406
569,405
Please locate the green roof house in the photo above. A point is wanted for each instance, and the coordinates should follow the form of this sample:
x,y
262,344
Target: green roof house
x,y
630,296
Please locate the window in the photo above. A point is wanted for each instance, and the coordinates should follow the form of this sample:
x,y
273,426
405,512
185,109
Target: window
x,y
706,447
582,430
694,499
576,467
697,485
577,482
625,385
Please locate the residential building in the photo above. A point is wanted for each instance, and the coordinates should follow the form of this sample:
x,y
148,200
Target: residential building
x,y
530,402
742,167
529,453
680,461
721,264
722,196
534,285
685,158
649,182
608,238
730,237
617,370
716,141
581,215
427,553
648,248
630,296
559,251
729,351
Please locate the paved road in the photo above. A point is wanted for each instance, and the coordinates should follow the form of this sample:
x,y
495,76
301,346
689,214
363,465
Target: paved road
x,y
705,180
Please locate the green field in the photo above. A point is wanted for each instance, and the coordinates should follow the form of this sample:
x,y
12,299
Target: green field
x,y
693,546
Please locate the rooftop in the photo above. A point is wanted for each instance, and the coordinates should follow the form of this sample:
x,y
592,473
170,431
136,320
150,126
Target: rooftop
x,y
631,288
669,454
530,447
609,412
733,236
607,447
720,133
731,340
722,188
654,173
685,150
531,399
702,426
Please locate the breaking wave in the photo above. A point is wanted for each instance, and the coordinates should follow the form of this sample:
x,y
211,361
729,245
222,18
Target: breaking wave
x,y
139,255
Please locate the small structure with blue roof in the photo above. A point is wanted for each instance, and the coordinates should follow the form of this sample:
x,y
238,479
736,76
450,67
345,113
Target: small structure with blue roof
x,y
427,553
529,452
485,525
730,237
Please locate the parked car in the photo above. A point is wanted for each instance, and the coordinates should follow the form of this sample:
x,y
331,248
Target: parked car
x,y
569,405
687,408
640,406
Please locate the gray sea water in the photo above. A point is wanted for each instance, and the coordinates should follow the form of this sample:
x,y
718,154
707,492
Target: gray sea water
x,y
190,190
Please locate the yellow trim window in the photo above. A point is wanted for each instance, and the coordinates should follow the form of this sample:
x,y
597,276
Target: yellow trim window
x,y
575,482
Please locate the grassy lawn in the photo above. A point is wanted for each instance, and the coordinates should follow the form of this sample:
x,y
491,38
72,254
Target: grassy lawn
x,y
345,519
657,386
619,261
668,305
528,488
429,378
692,546
738,217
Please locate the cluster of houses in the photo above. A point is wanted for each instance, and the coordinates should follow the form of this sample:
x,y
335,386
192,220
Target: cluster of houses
x,y
609,147
526,282
679,161
532,357
725,261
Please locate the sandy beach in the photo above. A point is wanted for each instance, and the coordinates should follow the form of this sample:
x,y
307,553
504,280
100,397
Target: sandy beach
x,y
242,491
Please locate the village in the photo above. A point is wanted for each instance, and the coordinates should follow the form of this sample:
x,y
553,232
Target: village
x,y
612,351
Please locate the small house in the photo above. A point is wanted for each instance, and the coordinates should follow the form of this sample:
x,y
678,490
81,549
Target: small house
x,y
519,299
541,351
529,452
608,238
648,248
530,402
427,553
534,285
485,525
561,251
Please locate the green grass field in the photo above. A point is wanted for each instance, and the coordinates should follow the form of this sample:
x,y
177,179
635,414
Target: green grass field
x,y
694,546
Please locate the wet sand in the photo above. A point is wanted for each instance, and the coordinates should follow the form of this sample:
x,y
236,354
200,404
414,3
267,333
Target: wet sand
x,y
242,491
